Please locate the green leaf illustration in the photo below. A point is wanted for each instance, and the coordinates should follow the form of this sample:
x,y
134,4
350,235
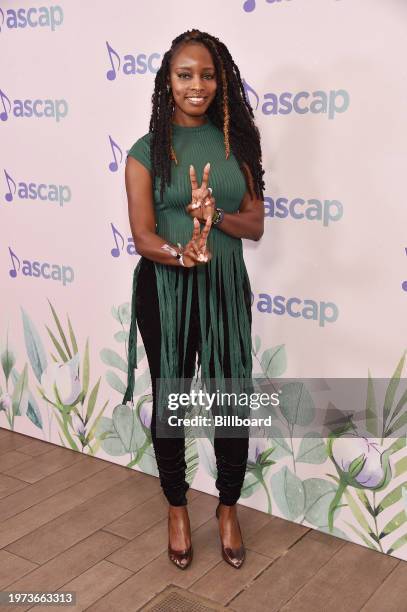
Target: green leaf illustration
x,y
61,331
115,382
397,544
401,466
191,459
312,449
256,344
121,336
35,350
141,351
362,536
251,484
288,492
319,494
357,513
124,313
391,391
296,404
72,336
281,448
7,359
20,394
142,383
57,345
85,371
391,498
274,361
33,411
371,408
113,359
395,523
92,401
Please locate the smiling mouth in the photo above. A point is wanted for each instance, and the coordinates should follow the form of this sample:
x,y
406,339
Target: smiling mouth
x,y
196,99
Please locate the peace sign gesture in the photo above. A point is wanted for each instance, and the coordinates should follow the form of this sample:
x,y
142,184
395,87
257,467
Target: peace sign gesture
x,y
196,251
203,204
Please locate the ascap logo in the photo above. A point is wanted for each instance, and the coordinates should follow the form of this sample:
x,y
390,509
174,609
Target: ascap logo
x,y
323,312
121,244
36,269
324,211
32,108
129,64
43,17
318,102
36,191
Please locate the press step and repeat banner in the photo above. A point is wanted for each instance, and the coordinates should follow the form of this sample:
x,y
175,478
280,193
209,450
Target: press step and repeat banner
x,y
326,80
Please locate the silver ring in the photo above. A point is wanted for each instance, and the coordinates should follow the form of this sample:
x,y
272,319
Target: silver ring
x,y
210,190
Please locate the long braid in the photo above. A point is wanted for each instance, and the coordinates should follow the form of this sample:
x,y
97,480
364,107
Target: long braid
x,y
241,136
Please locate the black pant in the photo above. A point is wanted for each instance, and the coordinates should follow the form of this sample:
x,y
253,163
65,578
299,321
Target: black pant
x,y
232,452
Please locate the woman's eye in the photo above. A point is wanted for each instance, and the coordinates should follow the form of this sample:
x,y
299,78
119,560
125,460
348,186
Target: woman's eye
x,y
185,75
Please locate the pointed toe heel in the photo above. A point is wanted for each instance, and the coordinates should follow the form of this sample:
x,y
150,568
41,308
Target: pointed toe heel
x,y
233,556
180,558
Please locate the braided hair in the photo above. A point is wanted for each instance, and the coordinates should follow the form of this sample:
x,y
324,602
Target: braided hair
x,y
241,136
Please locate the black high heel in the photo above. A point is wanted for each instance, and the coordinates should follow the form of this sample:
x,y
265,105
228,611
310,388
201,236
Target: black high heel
x,y
233,556
180,558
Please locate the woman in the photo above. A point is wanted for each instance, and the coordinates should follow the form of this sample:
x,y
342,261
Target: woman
x,y
191,291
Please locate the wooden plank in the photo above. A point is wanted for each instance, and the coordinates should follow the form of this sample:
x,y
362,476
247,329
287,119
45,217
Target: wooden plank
x,y
53,575
12,568
345,583
79,522
36,468
91,586
9,485
24,523
391,594
49,486
11,458
279,583
276,537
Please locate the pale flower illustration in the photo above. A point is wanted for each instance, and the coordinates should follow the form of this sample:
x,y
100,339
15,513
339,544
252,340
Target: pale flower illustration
x,y
257,446
371,470
146,413
78,425
65,376
5,402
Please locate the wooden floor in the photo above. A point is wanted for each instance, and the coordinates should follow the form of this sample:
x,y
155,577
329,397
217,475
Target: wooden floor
x,y
73,522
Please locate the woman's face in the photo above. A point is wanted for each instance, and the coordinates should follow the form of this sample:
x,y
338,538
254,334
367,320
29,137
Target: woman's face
x,y
192,80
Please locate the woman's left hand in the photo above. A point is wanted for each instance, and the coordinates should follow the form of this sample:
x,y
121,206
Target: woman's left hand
x,y
203,204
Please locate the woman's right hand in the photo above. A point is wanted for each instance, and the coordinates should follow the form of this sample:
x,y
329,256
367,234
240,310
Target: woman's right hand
x,y
196,252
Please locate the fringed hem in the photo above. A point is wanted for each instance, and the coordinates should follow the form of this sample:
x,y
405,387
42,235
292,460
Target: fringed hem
x,y
132,348
223,288
223,285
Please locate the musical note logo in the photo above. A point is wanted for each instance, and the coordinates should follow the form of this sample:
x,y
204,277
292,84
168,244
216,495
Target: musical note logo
x,y
249,90
116,234
249,6
113,166
1,19
4,98
111,74
404,283
10,183
13,272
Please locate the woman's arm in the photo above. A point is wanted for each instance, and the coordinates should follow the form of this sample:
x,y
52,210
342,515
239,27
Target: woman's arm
x,y
143,223
249,221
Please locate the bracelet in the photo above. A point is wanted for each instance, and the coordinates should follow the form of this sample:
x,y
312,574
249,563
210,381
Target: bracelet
x,y
174,253
180,255
218,216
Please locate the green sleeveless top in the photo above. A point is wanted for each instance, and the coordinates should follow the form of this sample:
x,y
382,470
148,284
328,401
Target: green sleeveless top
x,y
197,146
